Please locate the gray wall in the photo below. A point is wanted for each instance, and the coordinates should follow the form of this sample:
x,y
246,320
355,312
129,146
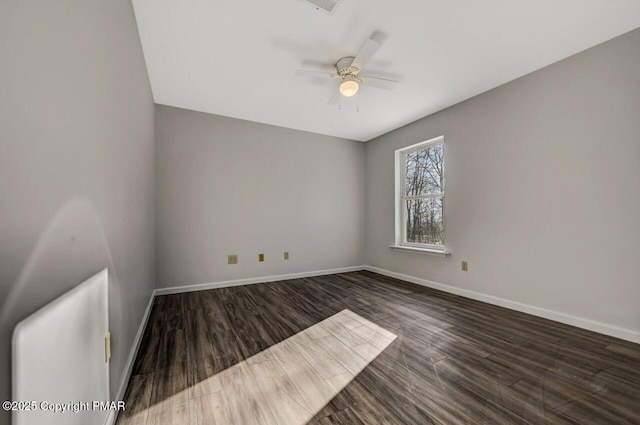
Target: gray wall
x,y
228,186
542,193
76,163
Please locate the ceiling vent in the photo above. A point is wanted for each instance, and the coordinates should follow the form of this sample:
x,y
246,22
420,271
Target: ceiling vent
x,y
326,6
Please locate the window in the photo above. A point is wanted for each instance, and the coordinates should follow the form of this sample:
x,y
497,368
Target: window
x,y
420,195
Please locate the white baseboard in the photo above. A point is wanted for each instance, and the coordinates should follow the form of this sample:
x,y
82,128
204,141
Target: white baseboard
x,y
251,281
126,373
580,322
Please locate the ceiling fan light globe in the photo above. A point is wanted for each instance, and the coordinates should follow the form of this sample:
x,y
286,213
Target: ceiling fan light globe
x,y
349,88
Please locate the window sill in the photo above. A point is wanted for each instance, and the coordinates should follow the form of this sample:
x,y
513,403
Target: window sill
x,y
425,251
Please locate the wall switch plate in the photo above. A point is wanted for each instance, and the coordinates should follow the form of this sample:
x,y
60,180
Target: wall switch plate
x,y
107,347
465,266
233,259
260,257
286,255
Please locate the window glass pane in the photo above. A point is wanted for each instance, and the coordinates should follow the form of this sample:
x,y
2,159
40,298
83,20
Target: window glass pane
x,y
424,221
425,171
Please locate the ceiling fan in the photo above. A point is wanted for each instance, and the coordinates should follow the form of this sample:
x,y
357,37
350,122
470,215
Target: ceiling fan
x,y
348,70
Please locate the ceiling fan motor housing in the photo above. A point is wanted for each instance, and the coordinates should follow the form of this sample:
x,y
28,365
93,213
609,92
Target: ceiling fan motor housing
x,y
344,68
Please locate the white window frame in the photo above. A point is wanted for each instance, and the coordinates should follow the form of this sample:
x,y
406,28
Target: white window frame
x,y
400,198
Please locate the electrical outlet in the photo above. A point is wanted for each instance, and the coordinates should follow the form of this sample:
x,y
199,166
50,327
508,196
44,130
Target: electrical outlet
x,y
465,266
286,255
233,259
261,257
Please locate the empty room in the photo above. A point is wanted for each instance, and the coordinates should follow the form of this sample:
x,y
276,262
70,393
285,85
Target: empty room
x,y
290,212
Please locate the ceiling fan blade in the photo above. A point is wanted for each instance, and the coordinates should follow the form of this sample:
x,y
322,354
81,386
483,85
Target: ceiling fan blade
x,y
381,83
335,97
368,49
317,74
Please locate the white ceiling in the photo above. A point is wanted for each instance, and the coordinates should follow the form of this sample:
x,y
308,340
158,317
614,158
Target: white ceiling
x,y
237,57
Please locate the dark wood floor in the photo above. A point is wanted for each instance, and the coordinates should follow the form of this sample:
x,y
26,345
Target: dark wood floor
x,y
455,360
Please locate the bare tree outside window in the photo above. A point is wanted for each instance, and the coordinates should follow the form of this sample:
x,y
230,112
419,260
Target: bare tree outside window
x,y
422,195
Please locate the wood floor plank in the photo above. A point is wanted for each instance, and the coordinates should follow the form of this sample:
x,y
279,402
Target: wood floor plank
x,y
595,410
343,417
172,348
137,400
148,350
170,385
198,344
378,337
244,398
210,409
169,414
392,387
226,344
338,382
173,310
204,375
482,395
192,301
281,395
313,389
314,353
369,409
337,349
